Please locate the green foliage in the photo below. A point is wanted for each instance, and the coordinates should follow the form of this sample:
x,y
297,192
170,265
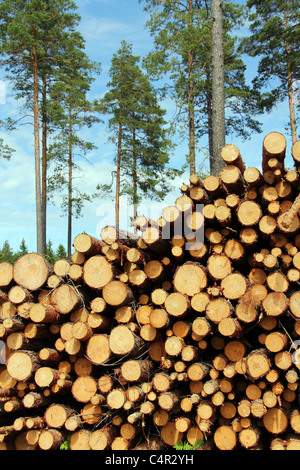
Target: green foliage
x,y
181,60
184,445
8,255
274,39
66,444
138,129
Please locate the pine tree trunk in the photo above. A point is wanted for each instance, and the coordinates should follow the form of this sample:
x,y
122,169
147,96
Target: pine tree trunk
x,y
37,150
118,178
44,168
290,87
70,188
218,100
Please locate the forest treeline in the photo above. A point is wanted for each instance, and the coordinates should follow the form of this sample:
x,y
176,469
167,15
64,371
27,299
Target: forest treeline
x,y
197,60
8,255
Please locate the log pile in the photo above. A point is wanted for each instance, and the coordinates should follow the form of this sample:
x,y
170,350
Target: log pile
x,y
144,340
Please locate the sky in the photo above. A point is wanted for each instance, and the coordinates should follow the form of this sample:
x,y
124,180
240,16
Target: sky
x,y
104,24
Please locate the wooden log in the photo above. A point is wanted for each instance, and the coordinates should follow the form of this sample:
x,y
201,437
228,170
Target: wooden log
x,y
98,349
122,341
275,420
97,272
31,271
258,364
230,155
84,388
6,274
21,365
50,439
117,294
249,213
225,438
190,278
136,370
177,304
65,298
56,415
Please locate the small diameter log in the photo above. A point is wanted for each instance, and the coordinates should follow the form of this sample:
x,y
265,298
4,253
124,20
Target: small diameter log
x,y
87,245
18,295
168,400
219,266
275,304
249,213
218,309
31,271
46,376
197,371
249,437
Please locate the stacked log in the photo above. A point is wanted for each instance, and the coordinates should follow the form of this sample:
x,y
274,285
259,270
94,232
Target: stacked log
x,y
144,340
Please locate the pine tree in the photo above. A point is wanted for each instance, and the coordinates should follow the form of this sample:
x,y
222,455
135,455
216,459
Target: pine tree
x,y
183,55
275,38
218,93
33,36
73,112
23,250
7,254
138,131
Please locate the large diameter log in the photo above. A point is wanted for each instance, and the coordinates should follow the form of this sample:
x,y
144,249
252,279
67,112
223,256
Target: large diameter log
x,y
274,145
65,298
258,364
136,370
21,365
6,274
57,414
117,294
97,272
31,271
275,421
249,213
190,278
123,341
98,350
225,438
84,388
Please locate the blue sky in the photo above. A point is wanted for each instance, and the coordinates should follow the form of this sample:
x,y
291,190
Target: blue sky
x,y
104,24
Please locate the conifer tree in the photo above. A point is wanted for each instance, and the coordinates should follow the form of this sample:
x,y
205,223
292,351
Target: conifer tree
x,y
34,34
139,132
275,39
183,55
